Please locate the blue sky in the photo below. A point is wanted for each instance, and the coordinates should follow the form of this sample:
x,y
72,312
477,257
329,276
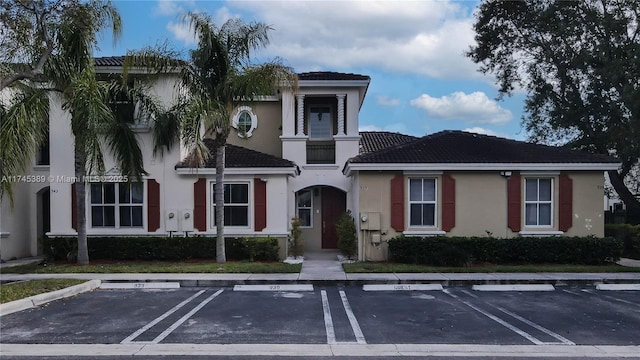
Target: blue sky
x,y
421,82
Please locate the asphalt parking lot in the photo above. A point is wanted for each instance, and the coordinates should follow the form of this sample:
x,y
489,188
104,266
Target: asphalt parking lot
x,y
332,314
570,316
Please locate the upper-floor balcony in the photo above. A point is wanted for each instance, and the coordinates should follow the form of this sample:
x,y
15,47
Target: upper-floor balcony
x,y
321,152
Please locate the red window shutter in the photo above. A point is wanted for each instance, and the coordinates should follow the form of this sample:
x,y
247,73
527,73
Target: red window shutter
x,y
397,202
74,212
153,205
514,201
260,204
448,202
565,206
200,204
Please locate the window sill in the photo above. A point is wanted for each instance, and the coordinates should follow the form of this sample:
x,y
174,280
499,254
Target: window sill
x,y
526,233
424,232
4,235
41,167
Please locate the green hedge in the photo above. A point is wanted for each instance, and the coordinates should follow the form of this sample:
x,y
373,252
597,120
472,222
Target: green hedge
x,y
163,248
628,235
459,251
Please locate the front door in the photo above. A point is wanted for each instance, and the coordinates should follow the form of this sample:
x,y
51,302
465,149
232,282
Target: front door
x,y
334,203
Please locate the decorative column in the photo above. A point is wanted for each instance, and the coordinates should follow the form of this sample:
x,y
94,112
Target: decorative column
x,y
341,113
300,115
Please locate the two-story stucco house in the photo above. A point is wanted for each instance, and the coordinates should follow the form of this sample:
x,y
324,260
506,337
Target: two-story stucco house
x,y
301,155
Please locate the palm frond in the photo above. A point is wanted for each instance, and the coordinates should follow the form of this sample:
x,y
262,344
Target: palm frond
x,y
166,129
23,127
263,79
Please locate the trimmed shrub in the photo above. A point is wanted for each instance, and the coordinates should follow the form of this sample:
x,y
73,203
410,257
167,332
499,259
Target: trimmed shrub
x,y
296,242
163,248
347,238
262,249
628,235
459,251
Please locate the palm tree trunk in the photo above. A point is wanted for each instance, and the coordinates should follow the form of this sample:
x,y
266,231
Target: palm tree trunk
x,y
80,172
221,257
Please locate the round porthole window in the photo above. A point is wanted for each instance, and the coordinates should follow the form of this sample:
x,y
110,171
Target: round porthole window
x,y
245,121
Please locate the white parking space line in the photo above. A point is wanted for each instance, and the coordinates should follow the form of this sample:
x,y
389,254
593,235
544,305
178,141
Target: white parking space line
x,y
352,319
611,298
175,325
562,339
129,339
497,319
402,287
274,287
328,321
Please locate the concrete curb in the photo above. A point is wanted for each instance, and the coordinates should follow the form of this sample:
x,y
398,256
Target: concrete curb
x,y
37,300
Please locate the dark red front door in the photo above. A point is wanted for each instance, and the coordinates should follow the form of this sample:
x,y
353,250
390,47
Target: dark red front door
x,y
334,203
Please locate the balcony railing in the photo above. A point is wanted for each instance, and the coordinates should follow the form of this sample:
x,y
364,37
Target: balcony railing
x,y
321,152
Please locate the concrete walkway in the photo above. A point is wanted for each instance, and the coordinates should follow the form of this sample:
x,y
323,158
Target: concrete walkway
x,y
323,265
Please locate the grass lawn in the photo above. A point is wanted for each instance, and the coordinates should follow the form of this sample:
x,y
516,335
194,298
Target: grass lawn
x,y
156,267
384,267
23,289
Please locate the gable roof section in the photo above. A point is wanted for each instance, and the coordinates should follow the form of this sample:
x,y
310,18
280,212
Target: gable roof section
x,y
459,150
331,76
109,61
371,141
242,160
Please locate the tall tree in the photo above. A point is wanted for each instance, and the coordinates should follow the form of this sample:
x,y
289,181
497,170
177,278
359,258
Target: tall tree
x,y
219,76
579,61
223,75
68,72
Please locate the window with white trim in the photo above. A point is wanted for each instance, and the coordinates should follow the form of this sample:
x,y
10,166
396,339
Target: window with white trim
x,y
538,202
320,122
305,207
244,121
116,205
422,202
236,204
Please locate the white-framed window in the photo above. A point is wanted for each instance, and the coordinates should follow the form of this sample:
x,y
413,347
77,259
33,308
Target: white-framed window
x,y
320,122
304,204
116,205
236,204
538,202
422,202
244,121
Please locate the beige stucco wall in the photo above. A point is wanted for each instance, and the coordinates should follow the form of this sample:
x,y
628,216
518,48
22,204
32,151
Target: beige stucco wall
x,y
588,214
266,137
481,207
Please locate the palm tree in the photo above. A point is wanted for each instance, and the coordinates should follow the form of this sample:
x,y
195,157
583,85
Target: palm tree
x,y
221,76
70,73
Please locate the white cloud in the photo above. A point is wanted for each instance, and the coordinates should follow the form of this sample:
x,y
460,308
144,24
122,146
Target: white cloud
x,y
423,37
171,7
387,101
182,31
474,108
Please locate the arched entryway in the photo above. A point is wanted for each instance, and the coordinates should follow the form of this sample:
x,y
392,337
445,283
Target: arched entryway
x,y
319,208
